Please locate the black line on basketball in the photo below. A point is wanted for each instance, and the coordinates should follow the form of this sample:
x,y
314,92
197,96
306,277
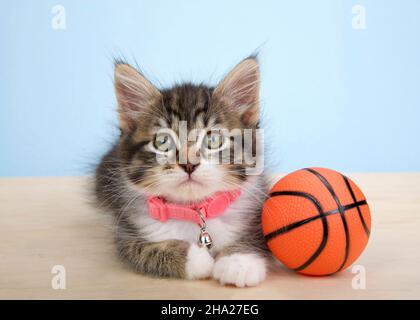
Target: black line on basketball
x,y
340,208
289,227
321,215
346,180
300,223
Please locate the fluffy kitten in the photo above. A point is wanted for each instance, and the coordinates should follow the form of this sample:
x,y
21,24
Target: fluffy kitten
x,y
130,172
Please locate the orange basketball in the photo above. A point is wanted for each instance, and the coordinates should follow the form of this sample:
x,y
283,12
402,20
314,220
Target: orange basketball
x,y
316,221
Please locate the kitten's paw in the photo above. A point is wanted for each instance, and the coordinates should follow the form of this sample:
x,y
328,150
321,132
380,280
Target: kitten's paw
x,y
239,269
199,263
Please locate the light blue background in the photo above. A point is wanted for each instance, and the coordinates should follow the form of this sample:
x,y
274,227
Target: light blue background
x,y
332,96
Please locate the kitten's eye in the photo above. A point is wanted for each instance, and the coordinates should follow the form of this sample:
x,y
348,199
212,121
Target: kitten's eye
x,y
213,140
163,142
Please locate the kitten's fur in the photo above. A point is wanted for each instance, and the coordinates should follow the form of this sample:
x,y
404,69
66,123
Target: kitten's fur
x,y
129,172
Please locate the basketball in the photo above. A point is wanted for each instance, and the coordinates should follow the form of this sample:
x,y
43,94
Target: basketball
x,y
316,221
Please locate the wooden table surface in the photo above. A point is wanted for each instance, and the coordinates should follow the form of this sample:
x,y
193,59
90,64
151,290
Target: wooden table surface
x,y
48,221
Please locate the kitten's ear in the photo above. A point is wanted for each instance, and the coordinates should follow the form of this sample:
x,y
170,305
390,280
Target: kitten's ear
x,y
135,94
240,89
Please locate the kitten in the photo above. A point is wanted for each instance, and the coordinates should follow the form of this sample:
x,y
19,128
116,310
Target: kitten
x,y
130,173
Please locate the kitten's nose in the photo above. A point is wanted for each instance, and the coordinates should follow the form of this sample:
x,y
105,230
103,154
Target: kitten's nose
x,y
189,167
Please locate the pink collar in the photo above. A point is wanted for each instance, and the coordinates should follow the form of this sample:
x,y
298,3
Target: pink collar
x,y
211,207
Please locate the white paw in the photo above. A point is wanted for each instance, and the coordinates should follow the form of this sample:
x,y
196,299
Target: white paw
x,y
239,269
199,263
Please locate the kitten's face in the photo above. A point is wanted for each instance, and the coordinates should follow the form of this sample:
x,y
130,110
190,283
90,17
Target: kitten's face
x,y
180,143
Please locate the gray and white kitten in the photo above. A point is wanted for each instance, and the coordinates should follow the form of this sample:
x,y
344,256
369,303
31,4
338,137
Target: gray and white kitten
x,y
130,172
